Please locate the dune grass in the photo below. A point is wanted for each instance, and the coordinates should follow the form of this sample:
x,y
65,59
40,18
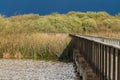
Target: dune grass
x,y
34,46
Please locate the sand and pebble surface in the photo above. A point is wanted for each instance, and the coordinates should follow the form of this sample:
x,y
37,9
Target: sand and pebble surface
x,y
35,70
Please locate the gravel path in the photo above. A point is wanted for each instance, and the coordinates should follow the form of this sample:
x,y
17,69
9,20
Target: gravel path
x,y
35,70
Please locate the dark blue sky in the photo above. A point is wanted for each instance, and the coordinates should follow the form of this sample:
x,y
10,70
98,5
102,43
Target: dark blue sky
x,y
44,7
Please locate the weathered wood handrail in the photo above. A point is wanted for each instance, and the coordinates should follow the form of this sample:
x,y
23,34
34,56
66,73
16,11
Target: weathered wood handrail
x,y
114,41
103,57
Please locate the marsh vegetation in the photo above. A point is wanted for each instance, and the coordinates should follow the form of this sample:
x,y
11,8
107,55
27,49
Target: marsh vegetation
x,y
38,37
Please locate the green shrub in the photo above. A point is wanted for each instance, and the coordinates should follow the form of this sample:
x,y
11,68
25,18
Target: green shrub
x,y
103,15
91,14
108,22
72,22
117,16
89,24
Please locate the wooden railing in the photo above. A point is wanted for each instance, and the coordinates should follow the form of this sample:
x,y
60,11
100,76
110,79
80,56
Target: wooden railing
x,y
103,39
102,54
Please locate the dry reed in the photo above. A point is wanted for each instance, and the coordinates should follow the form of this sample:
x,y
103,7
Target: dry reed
x,y
35,46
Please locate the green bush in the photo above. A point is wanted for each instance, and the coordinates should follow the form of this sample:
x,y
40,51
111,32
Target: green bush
x,y
89,24
108,22
91,14
103,15
117,16
72,22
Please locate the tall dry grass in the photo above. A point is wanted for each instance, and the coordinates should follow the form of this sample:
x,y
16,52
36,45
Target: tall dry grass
x,y
35,46
105,34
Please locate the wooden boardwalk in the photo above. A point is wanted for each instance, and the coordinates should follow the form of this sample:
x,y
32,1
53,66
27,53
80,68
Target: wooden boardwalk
x,y
101,54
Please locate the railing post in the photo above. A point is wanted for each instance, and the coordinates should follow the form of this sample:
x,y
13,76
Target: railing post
x,y
114,64
100,61
92,55
118,74
106,62
103,62
108,56
109,75
96,52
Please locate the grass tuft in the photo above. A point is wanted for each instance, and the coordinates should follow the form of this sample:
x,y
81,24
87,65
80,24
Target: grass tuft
x,y
34,46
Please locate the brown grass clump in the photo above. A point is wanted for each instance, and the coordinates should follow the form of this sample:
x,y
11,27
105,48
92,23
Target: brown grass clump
x,y
35,46
6,55
18,55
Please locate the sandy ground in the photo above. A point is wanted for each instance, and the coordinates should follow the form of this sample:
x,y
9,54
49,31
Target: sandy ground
x,y
35,70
